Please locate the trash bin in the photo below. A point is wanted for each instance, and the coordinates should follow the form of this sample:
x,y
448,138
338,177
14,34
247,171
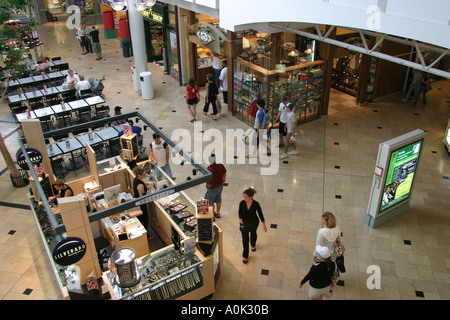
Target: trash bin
x,y
146,85
135,78
126,48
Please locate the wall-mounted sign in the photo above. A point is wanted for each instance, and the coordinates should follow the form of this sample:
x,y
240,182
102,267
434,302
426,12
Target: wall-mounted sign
x,y
205,36
34,155
149,14
69,251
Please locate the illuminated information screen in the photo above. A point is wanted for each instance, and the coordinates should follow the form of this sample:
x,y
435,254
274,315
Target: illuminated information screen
x,y
401,169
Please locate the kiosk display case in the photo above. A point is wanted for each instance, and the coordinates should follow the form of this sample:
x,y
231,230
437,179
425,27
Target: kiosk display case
x,y
188,275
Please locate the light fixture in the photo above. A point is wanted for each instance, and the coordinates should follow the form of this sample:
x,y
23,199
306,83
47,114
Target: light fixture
x,y
140,5
309,50
118,5
293,53
149,3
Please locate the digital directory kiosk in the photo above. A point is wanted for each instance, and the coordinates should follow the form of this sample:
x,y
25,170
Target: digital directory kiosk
x,y
393,181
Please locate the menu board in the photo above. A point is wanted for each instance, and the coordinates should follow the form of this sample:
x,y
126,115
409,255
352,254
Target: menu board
x,y
400,175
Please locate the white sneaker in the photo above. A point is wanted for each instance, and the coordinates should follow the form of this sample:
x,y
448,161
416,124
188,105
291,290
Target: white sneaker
x,y
284,155
293,152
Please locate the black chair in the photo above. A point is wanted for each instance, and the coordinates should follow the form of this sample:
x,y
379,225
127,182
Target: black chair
x,y
99,149
52,99
114,147
56,58
58,167
102,112
85,93
19,109
101,245
69,94
46,123
35,103
84,114
64,119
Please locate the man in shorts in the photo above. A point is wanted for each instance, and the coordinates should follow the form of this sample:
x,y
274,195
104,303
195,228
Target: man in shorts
x,y
282,116
291,131
96,43
215,186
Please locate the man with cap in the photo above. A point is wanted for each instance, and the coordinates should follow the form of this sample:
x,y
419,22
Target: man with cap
x,y
320,275
215,185
134,129
159,154
118,112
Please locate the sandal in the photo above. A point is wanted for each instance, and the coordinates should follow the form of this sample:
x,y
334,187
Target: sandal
x,y
245,261
254,249
217,215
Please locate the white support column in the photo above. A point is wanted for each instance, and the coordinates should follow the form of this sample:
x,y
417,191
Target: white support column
x,y
137,39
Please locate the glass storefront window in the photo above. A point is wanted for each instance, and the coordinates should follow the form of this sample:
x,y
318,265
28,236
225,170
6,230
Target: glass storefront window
x,y
172,55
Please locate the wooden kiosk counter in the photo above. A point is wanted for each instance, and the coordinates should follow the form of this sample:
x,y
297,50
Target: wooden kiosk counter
x,y
103,207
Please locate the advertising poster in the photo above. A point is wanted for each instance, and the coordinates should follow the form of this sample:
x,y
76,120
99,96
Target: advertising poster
x,y
401,169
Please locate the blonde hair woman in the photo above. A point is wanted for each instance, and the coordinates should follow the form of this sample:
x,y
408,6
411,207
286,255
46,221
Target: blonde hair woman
x,y
328,234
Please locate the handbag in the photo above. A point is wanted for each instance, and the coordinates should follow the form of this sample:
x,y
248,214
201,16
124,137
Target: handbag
x,y
339,248
340,264
242,228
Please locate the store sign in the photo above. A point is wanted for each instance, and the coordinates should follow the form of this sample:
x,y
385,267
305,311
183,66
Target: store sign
x,y
69,251
153,16
153,197
205,36
202,206
34,155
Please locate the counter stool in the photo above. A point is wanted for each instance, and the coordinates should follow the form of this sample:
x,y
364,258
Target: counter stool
x,y
101,244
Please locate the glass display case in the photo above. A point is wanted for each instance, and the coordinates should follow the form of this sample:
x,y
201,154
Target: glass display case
x,y
301,83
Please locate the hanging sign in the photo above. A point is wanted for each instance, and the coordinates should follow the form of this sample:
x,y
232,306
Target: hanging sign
x,y
34,155
69,251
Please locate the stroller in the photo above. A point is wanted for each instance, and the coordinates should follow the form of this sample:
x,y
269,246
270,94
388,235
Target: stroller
x,y
97,86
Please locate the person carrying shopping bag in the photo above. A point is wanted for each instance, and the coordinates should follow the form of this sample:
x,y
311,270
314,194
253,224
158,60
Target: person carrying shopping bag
x,y
320,275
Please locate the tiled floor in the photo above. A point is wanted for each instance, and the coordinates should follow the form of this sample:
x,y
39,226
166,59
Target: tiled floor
x,y
337,158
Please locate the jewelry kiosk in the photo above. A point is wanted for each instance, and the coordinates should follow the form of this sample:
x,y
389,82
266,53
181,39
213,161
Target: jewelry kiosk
x,y
183,269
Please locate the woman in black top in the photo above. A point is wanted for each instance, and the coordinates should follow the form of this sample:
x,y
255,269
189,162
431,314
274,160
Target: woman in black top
x,y
141,188
249,211
320,275
63,190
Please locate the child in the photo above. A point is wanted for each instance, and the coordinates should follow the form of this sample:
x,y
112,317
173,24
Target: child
x,y
193,97
211,94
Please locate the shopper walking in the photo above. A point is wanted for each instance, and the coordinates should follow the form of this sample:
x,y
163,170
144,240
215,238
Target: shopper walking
x,y
328,234
223,81
258,125
320,275
159,154
87,41
417,75
282,117
211,96
97,48
82,38
141,188
215,185
250,213
424,84
291,131
217,66
193,98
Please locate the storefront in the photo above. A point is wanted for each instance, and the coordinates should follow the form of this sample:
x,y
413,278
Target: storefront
x,y
161,38
273,66
102,213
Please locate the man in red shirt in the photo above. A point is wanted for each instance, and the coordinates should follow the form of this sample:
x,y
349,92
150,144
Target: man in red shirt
x,y
215,185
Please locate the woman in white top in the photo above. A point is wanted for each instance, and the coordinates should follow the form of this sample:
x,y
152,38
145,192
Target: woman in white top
x,y
327,236
72,77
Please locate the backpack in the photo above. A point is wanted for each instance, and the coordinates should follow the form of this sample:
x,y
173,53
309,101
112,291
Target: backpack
x,y
266,120
252,109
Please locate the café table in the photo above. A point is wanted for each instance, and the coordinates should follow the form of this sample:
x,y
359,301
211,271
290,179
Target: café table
x,y
57,108
108,133
42,112
24,116
85,138
26,81
49,91
17,98
78,104
69,146
92,101
53,150
34,94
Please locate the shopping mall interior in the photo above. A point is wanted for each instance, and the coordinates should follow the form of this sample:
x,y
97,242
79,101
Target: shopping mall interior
x,y
333,172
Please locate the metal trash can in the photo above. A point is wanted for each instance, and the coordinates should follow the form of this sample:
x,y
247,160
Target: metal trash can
x,y
127,272
135,78
146,85
126,48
